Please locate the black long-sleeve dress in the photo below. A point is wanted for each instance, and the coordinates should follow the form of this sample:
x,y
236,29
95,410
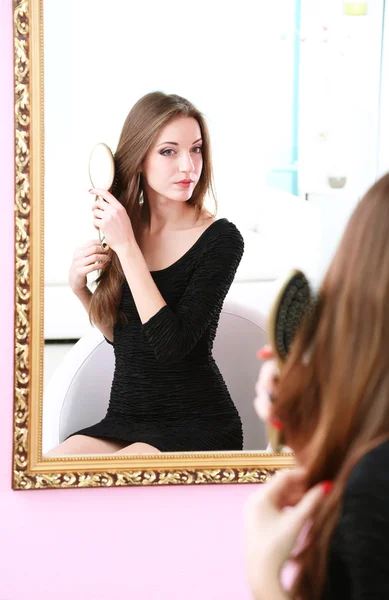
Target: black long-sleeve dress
x,y
358,566
167,390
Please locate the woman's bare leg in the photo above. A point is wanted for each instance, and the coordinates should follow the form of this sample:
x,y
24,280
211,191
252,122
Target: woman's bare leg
x,y
139,448
83,444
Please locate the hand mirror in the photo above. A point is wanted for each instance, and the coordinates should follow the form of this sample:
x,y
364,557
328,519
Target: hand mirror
x,y
101,174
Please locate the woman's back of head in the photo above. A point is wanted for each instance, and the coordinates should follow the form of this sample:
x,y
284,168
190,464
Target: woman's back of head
x,y
334,393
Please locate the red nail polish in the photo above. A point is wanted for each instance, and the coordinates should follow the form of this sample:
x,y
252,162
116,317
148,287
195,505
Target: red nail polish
x,y
264,353
277,424
327,487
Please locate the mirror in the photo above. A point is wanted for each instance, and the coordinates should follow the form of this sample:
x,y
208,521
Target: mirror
x,y
286,175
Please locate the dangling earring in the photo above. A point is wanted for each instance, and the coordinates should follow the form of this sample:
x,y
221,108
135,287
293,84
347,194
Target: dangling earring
x,y
141,196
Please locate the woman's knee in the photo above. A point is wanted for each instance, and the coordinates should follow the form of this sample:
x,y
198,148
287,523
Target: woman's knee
x,y
139,448
83,444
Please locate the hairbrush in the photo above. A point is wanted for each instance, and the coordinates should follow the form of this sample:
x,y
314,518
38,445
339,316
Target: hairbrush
x,y
291,305
101,174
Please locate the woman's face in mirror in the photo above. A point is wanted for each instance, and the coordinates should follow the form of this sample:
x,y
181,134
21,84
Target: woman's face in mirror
x,y
173,165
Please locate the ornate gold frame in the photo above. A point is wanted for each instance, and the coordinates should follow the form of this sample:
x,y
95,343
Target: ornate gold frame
x,y
30,469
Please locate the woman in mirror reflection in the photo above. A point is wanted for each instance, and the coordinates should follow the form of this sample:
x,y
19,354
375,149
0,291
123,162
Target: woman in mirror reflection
x,y
332,402
160,289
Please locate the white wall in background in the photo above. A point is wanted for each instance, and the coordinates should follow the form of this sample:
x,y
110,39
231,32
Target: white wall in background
x,y
231,59
226,57
339,117
383,152
340,70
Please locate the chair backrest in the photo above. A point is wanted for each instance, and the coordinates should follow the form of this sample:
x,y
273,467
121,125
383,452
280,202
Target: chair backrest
x,y
78,393
241,332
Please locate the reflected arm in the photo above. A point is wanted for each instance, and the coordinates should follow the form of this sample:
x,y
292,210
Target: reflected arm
x,y
85,297
173,333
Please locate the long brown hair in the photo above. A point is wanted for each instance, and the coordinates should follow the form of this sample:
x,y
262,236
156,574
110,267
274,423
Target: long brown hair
x,y
140,130
334,391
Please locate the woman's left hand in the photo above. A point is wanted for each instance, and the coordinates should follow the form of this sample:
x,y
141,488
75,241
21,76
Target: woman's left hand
x,y
112,219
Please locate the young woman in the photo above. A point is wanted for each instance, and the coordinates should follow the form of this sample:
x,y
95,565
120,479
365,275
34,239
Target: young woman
x,y
161,289
332,401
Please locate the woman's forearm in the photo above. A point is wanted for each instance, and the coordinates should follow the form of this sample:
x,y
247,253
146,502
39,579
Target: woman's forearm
x,y
85,297
147,297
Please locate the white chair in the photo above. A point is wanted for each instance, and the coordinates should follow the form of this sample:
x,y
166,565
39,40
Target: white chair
x,y
77,394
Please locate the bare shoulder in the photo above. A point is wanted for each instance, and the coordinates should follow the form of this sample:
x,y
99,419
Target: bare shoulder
x,y
204,220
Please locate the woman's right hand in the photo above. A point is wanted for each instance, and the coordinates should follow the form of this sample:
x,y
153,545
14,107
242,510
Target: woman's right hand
x,y
271,532
87,258
267,385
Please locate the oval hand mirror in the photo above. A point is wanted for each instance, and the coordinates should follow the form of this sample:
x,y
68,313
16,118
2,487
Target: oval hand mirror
x,y
101,174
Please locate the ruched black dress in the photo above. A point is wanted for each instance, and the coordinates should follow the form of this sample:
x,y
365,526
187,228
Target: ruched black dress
x,y
358,566
167,390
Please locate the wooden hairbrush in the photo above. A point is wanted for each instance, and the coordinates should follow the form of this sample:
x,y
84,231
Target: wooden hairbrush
x,y
290,307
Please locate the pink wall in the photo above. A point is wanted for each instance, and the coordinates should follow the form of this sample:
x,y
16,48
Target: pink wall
x,y
169,543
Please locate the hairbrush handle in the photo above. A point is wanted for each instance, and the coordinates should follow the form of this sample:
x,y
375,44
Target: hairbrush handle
x,y
275,434
103,243
101,174
276,438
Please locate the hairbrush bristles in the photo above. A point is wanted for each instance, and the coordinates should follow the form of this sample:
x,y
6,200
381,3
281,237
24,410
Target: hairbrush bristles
x,y
292,305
